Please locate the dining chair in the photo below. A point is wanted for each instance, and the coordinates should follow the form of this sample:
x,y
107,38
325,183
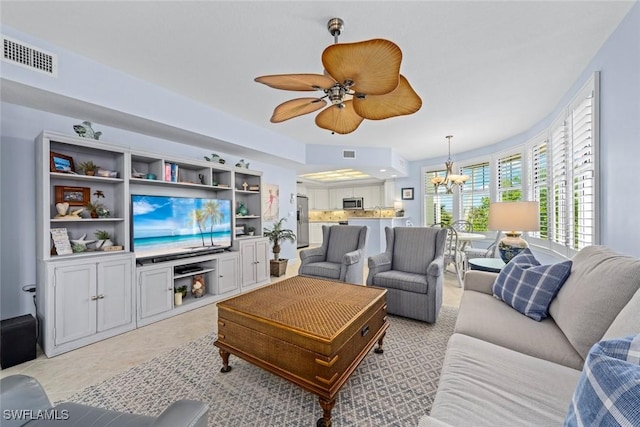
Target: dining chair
x,y
463,226
452,253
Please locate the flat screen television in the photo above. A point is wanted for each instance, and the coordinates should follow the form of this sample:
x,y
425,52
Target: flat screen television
x,y
164,226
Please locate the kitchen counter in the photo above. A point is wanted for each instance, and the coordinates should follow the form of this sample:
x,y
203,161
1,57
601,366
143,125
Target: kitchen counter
x,y
376,240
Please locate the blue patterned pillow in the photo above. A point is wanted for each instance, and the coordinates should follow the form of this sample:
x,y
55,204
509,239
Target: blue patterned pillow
x,y
529,287
609,386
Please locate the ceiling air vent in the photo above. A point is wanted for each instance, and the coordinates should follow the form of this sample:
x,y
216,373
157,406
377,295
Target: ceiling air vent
x,y
27,56
348,154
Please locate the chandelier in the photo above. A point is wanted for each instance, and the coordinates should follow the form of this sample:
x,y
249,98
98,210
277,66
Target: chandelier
x,y
449,179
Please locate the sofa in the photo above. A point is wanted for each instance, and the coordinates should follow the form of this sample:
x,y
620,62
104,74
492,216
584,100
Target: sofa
x,y
503,368
25,403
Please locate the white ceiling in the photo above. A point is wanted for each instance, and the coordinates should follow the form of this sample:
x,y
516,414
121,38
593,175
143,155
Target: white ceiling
x,y
486,70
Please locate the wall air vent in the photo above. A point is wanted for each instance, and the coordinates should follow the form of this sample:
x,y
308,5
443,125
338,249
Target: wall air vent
x,y
31,57
348,154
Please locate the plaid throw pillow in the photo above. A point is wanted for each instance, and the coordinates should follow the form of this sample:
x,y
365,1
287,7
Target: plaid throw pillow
x,y
609,386
529,287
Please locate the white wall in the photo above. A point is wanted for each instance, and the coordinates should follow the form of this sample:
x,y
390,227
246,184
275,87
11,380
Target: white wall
x,y
18,129
619,64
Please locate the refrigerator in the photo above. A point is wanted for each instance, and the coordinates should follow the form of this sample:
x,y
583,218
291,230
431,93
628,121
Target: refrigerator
x,y
303,221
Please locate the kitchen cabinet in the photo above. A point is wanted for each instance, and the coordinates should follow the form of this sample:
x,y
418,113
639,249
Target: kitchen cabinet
x,y
319,199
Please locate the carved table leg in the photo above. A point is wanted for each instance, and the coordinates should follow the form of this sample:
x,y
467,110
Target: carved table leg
x,y
379,349
225,361
327,406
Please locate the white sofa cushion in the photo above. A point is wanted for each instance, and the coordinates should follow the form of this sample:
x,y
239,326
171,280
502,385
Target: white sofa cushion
x,y
483,384
627,322
487,318
601,283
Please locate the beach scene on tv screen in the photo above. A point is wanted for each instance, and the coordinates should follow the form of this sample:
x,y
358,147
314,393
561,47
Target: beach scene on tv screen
x,y
167,225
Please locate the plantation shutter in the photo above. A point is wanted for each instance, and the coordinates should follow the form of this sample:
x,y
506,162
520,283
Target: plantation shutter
x,y
510,178
438,205
475,196
583,174
539,183
559,211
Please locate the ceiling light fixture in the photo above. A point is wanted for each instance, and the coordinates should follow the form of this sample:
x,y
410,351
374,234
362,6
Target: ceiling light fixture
x,y
449,179
362,80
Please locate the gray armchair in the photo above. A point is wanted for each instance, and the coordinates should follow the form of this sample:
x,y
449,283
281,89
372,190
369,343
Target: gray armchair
x,y
341,256
411,270
22,397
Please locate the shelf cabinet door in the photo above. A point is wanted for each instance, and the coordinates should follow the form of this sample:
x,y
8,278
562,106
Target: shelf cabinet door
x,y
263,271
156,291
248,256
228,274
75,304
114,294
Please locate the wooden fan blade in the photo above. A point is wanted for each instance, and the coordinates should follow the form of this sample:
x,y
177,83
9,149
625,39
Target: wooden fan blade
x,y
373,65
297,81
339,120
403,100
296,107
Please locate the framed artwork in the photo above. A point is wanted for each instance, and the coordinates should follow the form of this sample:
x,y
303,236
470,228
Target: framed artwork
x,y
75,196
61,163
407,193
271,202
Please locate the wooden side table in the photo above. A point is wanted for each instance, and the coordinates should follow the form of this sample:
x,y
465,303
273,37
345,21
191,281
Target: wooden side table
x,y
492,265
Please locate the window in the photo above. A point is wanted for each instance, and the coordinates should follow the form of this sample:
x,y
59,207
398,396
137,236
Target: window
x,y
574,172
475,196
558,168
510,178
438,206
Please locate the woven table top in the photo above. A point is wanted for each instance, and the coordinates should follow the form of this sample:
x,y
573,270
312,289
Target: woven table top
x,y
316,306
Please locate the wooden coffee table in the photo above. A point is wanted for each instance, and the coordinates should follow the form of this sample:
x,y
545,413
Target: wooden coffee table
x,y
311,332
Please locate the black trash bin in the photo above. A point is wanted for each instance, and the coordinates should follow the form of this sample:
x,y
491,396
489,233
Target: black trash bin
x,y
17,340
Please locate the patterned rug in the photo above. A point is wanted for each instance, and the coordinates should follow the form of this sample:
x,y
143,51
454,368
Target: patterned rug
x,y
395,388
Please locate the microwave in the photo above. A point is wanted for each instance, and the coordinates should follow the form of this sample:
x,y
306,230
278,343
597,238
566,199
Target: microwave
x,y
353,203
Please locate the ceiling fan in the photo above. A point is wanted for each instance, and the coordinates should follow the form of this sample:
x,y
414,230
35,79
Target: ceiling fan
x,y
362,80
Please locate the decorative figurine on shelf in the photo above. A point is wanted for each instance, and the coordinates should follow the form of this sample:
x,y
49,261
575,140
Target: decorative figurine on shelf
x,y
197,287
201,178
63,211
242,164
84,130
245,185
215,158
81,243
242,210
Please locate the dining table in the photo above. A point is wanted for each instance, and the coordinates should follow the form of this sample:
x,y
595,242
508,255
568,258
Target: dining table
x,y
465,239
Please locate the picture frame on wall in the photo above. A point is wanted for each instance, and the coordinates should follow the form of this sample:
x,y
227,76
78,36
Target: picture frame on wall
x,y
75,196
61,163
407,193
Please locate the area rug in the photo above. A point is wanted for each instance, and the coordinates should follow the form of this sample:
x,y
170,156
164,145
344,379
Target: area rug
x,y
395,388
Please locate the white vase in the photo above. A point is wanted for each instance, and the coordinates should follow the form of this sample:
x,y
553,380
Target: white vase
x,y
107,243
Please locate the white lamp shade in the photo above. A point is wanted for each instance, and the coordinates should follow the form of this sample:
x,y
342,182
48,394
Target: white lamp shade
x,y
397,206
514,216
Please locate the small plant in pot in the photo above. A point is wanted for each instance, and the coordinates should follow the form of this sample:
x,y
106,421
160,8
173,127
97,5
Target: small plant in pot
x,y
250,231
95,208
277,234
89,168
104,239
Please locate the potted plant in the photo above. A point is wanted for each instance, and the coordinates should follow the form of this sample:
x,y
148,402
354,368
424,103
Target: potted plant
x,y
277,234
104,239
95,208
89,168
250,231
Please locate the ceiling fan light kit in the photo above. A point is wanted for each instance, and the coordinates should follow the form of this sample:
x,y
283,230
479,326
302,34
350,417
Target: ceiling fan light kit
x,y
362,80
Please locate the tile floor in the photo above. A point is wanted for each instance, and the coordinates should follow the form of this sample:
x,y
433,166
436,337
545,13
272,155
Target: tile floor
x,y
68,373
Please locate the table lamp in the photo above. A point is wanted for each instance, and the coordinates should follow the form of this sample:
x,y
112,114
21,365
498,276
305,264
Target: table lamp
x,y
515,217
